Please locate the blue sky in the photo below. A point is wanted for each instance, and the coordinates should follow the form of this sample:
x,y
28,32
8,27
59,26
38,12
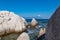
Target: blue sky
x,y
30,8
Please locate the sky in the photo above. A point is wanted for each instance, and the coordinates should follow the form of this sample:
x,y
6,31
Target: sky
x,y
31,8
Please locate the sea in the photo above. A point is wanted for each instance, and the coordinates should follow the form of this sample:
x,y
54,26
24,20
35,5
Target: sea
x,y
33,33
42,22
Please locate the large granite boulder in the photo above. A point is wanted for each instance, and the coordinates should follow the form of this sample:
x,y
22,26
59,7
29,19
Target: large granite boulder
x,y
11,25
53,27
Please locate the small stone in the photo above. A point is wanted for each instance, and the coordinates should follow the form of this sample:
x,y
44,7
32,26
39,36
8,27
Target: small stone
x,y
41,32
33,23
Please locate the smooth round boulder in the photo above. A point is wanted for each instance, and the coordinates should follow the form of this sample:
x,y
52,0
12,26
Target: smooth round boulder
x,y
23,36
11,23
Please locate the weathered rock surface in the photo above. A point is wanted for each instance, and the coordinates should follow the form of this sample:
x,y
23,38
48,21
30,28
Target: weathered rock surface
x,y
33,23
23,36
53,27
10,37
23,20
41,32
10,22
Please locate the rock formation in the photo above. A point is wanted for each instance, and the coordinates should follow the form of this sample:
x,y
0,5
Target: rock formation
x,y
42,37
33,23
23,36
23,20
41,32
53,27
10,22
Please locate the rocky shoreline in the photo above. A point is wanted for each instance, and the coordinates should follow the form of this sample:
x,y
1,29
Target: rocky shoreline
x,y
12,27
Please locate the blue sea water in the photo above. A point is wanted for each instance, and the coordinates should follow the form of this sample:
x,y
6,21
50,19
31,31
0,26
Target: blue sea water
x,y
42,22
39,20
34,32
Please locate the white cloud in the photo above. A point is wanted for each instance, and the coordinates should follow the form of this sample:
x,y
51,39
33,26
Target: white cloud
x,y
39,15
